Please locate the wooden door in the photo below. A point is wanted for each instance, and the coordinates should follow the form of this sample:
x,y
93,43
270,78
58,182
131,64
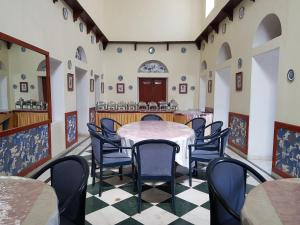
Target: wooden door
x,y
152,89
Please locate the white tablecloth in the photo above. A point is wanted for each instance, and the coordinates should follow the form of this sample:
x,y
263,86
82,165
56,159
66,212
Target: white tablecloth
x,y
143,130
28,202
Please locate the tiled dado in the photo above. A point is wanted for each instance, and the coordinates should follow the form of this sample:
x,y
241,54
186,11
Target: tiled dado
x,y
238,137
92,115
71,127
286,150
24,149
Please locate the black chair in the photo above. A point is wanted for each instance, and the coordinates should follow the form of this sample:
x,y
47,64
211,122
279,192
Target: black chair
x,y
207,151
113,159
226,179
151,117
198,125
109,126
69,177
155,161
214,127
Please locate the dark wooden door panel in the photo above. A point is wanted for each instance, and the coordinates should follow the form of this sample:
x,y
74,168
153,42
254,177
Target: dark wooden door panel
x,y
152,89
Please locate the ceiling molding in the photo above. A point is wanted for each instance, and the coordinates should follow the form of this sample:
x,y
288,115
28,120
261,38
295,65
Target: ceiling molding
x,y
226,11
79,12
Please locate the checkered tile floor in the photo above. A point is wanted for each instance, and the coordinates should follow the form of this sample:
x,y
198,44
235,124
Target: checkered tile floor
x,y
118,203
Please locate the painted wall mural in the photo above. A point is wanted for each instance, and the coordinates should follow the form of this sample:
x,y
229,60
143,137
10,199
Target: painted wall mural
x,y
153,66
71,128
238,137
286,156
20,150
92,115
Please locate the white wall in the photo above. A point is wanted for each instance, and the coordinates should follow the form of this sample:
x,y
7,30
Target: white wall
x,y
128,62
222,95
264,78
203,91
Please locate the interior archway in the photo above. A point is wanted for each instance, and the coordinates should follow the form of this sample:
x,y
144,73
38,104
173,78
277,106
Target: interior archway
x,y
268,29
224,53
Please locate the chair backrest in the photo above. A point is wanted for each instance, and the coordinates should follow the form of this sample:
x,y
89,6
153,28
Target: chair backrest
x,y
155,158
215,127
108,124
93,127
226,179
69,179
198,125
97,145
224,134
150,117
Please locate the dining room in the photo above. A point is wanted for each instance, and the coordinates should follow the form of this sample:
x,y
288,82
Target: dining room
x,y
149,112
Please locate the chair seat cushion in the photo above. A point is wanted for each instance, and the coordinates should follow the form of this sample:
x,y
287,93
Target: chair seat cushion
x,y
109,147
116,158
205,155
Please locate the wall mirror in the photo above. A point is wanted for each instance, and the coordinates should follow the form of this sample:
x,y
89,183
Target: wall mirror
x,y
24,84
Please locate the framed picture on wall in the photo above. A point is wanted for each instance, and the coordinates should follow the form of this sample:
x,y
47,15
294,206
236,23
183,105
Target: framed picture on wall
x,y
23,87
120,88
183,88
102,87
209,86
70,81
92,85
239,81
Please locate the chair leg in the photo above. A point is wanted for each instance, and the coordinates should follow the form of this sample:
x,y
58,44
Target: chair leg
x,y
139,195
190,173
93,166
101,181
121,172
173,195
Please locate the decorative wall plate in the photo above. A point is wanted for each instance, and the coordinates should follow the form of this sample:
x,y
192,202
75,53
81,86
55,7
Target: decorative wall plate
x,y
65,13
23,76
151,50
81,27
183,50
120,77
183,78
291,75
224,28
15,86
192,88
119,50
23,49
69,64
110,87
130,87
240,63
32,86
241,12
174,88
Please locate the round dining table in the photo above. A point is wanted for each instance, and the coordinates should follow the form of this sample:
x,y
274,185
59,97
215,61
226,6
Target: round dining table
x,y
143,130
273,203
26,201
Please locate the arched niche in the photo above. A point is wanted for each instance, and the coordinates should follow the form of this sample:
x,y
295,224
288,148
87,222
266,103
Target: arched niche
x,y
224,53
268,29
153,66
80,54
42,66
203,65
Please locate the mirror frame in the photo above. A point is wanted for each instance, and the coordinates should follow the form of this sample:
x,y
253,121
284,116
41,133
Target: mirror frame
x,y
13,40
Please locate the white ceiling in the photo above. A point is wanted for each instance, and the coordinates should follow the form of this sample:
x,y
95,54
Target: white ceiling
x,y
146,20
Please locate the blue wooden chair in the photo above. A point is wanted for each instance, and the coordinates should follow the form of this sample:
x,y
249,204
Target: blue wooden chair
x,y
109,127
151,117
226,179
113,159
207,151
69,177
155,161
198,125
